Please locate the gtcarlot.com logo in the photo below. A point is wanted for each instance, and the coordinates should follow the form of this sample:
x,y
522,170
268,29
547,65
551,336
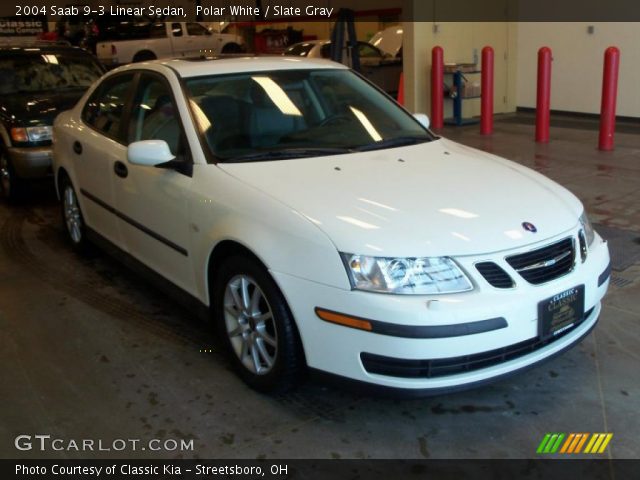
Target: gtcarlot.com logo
x,y
574,443
47,443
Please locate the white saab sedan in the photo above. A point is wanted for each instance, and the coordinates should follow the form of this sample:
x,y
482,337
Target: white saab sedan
x,y
324,227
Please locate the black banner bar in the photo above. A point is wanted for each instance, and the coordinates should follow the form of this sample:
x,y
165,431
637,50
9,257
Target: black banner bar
x,y
556,469
327,10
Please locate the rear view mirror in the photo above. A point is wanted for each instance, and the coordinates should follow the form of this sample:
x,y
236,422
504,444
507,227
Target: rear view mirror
x,y
422,118
149,153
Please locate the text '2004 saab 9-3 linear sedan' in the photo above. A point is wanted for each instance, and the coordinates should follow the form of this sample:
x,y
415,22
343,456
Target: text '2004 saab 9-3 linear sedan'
x,y
326,228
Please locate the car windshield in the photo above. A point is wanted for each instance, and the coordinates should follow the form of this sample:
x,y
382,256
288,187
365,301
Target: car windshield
x,y
297,113
299,49
42,71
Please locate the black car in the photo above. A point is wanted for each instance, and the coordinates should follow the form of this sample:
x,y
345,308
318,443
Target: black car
x,y
37,82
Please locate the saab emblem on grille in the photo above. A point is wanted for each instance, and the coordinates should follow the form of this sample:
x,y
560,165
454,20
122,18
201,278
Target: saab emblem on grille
x,y
529,227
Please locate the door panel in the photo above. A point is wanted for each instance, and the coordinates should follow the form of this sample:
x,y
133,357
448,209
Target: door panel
x,y
202,38
153,201
184,45
95,151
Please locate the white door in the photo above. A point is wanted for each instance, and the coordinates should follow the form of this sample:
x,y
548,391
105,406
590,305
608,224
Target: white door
x,y
153,201
184,45
97,150
202,38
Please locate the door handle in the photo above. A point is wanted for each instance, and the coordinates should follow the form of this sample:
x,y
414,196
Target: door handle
x,y
77,147
120,169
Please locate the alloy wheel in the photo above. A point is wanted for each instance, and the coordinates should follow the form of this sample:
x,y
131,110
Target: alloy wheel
x,y
72,217
5,177
250,324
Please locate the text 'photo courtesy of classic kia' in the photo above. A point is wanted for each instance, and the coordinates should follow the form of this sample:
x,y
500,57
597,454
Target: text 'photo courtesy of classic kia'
x,y
324,228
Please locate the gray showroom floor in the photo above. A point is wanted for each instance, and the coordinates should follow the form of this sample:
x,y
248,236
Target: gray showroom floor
x,y
89,351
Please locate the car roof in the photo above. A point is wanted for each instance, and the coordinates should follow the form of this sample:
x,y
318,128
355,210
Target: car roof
x,y
31,48
220,65
322,42
312,42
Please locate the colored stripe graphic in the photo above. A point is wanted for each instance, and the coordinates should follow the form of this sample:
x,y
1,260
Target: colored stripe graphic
x,y
555,447
553,443
550,443
581,443
591,442
567,443
598,443
605,442
543,443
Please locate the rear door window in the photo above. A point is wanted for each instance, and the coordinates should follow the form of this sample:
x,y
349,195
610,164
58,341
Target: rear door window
x,y
106,107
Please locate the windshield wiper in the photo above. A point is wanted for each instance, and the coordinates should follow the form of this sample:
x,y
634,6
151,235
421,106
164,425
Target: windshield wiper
x,y
288,153
392,142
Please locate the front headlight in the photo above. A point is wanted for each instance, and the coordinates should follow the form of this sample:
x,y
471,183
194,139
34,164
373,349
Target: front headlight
x,y
31,134
589,232
418,276
39,134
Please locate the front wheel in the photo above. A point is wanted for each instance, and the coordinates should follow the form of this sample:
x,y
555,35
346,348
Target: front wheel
x,y
256,326
11,187
232,48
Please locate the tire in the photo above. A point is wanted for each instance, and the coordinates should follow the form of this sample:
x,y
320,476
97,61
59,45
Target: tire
x,y
72,218
257,327
232,48
144,56
11,187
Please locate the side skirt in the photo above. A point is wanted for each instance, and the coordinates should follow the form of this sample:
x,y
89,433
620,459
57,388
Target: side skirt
x,y
158,281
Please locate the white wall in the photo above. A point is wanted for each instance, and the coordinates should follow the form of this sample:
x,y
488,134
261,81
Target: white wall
x,y
576,72
460,40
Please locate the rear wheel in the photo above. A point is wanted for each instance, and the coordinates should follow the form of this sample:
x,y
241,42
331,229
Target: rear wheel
x,y
72,216
144,56
256,326
11,187
232,48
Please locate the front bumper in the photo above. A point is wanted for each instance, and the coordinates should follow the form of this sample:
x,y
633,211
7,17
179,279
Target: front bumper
x,y
34,162
339,350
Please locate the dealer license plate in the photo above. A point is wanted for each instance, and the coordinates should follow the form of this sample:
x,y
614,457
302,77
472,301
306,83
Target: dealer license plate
x,y
560,312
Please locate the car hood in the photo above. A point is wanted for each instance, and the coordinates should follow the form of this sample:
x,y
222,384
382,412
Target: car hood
x,y
43,107
437,198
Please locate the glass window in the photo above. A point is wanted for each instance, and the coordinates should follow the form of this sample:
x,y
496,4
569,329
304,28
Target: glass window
x,y
325,51
44,70
296,113
299,49
105,108
196,29
158,30
176,29
154,116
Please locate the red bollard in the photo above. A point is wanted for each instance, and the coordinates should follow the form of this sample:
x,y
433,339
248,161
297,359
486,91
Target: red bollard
x,y
543,101
400,99
609,96
437,89
486,83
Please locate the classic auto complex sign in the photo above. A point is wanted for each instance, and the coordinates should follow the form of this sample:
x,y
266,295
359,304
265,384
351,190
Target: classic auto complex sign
x,y
24,27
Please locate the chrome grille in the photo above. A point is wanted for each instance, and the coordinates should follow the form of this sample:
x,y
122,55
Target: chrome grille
x,y
545,264
495,275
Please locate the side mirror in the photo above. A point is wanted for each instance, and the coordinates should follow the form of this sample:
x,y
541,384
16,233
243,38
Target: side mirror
x,y
422,118
149,153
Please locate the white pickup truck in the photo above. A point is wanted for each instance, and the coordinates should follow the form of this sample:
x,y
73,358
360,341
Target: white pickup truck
x,y
141,42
